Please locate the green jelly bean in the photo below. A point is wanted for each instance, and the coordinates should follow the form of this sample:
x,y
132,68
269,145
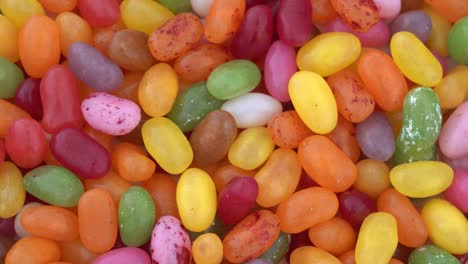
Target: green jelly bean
x,y
11,77
177,6
54,185
422,120
458,41
431,254
278,250
217,227
233,78
191,106
137,216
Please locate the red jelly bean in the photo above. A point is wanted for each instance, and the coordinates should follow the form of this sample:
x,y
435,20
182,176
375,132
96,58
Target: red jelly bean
x,y
294,21
355,207
2,151
28,97
100,13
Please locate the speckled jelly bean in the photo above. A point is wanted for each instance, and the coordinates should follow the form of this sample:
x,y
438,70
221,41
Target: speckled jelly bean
x,y
13,195
287,130
375,137
451,140
431,254
416,22
458,39
170,242
123,255
359,15
144,15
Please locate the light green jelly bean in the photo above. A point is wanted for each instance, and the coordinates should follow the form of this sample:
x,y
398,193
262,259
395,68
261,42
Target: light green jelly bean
x,y
191,106
458,41
278,250
431,254
233,78
177,6
137,216
11,77
54,185
422,120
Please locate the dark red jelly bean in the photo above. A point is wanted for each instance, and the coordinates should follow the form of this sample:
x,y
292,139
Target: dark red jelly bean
x,y
7,226
2,151
298,240
28,97
294,21
237,199
355,207
100,13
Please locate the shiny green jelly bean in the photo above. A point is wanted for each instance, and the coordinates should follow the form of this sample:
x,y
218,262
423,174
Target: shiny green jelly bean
x,y
137,216
431,254
177,6
458,41
422,120
278,250
10,78
217,227
234,78
191,106
54,185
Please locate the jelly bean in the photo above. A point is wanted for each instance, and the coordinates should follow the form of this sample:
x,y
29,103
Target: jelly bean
x,y
33,250
223,19
175,37
451,140
422,178
373,177
104,139
224,174
129,88
329,53
233,79
131,162
377,36
201,7
8,114
217,227
20,12
110,182
102,37
167,144
251,149
438,37
196,199
375,136
336,236
19,229
93,68
177,6
294,22
58,6
136,216
11,78
412,231
251,237
306,208
99,14
309,254
377,239
158,90
170,243
415,60
359,15
7,228
123,255
287,129
75,252
344,137
54,185
388,9
162,189
431,254
355,207
9,47
452,9
129,49
348,257
457,192
13,194
208,248
387,86
417,22
81,32
451,235
145,16
422,120
320,158
236,199
2,151
322,11
458,39
97,219
278,250
452,89
39,45
5,245
25,143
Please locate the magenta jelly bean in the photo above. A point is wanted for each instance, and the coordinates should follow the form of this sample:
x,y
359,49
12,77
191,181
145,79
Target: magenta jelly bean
x,y
28,97
417,22
237,199
255,33
355,207
100,13
123,255
294,21
375,137
388,9
7,226
457,193
452,139
80,153
170,242
377,36
60,99
111,114
280,65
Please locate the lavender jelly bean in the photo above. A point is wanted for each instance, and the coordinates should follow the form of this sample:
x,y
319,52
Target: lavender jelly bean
x,y
417,22
375,137
294,21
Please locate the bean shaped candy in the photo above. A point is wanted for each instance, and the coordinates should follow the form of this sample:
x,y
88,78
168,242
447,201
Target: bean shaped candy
x,y
170,242
124,255
457,40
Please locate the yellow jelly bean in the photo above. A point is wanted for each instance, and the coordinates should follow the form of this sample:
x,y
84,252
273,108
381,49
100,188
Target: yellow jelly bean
x,y
453,88
207,249
438,37
167,144
421,179
415,60
144,15
158,90
314,101
9,43
251,149
12,193
19,11
196,199
377,239
309,254
448,227
329,53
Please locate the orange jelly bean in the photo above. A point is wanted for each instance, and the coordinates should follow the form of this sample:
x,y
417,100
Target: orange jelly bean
x,y
323,12
132,163
162,189
287,129
223,20
32,250
326,163
103,37
58,6
73,29
76,253
9,113
111,182
344,136
451,9
129,88
335,236
104,139
225,173
359,15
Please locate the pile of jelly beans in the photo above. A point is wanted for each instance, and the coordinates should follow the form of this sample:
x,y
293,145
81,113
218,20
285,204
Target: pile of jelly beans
x,y
233,131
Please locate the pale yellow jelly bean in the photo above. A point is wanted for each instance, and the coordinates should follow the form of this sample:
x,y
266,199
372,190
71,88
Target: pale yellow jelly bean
x,y
438,37
167,144
251,149
196,199
421,179
9,44
329,53
207,249
12,193
453,88
448,227
19,11
377,239
414,60
314,101
144,15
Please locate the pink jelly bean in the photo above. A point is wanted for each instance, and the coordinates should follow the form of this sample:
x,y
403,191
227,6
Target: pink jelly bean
x,y
100,13
280,65
124,256
457,193
377,36
28,97
388,9
453,139
294,21
170,242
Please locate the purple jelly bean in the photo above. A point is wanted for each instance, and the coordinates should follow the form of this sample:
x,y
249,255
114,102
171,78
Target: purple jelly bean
x,y
80,153
375,137
280,65
28,97
355,207
124,255
457,193
294,21
417,22
237,199
376,36
93,68
7,226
